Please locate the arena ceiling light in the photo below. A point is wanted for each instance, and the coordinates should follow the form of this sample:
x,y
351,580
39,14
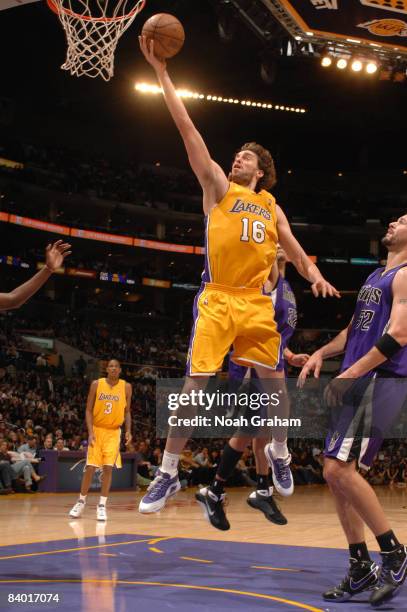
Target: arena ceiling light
x,y
326,61
147,88
371,67
341,63
356,65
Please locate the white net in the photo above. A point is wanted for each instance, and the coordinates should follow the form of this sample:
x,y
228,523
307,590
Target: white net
x,y
92,29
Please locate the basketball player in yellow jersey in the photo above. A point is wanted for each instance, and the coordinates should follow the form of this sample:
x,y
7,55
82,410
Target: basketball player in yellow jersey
x,y
108,405
243,224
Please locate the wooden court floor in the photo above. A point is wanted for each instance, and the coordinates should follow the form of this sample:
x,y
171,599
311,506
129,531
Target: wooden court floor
x,y
310,512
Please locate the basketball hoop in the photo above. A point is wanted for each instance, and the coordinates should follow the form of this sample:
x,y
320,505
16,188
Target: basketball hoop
x,y
92,29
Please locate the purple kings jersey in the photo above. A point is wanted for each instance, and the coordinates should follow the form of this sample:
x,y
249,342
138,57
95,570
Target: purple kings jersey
x,y
285,310
371,319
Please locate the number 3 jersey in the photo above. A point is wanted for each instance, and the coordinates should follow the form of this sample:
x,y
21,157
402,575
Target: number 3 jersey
x,y
241,238
371,319
110,404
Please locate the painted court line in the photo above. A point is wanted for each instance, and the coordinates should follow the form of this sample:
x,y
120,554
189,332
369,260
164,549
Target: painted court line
x,y
275,569
197,560
66,550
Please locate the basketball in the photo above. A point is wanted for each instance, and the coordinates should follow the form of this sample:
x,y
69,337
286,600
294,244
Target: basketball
x,y
167,33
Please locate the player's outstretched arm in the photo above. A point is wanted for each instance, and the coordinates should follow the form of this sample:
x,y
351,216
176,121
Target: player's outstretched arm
x,y
55,255
210,176
395,337
300,259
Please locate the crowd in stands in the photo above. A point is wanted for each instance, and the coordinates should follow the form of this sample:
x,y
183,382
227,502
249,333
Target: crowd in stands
x,y
308,198
97,176
42,408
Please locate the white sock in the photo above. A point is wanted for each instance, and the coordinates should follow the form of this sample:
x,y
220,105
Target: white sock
x,y
279,449
82,498
102,501
170,463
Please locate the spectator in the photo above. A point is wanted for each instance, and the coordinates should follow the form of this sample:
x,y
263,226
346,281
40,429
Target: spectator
x,y
60,445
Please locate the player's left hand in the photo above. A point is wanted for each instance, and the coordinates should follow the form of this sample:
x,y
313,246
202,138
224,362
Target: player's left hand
x,y
55,254
298,360
127,438
336,389
322,287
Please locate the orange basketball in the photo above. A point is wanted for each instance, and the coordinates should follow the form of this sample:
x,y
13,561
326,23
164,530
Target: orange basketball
x,y
167,33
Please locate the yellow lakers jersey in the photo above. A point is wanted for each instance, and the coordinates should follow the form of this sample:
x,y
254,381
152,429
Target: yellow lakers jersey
x,y
110,404
241,238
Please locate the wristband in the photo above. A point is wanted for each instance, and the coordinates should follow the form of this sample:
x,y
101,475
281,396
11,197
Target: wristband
x,y
388,346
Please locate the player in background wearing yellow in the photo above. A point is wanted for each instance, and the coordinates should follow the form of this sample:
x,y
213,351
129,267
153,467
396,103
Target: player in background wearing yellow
x,y
54,258
107,407
243,225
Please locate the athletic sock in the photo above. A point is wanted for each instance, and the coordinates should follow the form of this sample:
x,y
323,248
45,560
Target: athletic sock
x,y
279,449
262,482
170,463
82,498
387,541
359,552
228,461
102,501
218,487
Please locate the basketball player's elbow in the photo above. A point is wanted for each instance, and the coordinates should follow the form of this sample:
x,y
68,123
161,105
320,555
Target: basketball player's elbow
x,y
399,333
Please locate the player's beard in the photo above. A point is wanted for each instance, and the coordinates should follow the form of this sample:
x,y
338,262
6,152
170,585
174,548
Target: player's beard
x,y
241,178
387,241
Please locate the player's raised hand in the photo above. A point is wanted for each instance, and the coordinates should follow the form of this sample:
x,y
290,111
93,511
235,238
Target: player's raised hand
x,y
55,254
147,48
322,287
313,364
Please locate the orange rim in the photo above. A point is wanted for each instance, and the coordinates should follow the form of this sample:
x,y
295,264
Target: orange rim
x,y
54,8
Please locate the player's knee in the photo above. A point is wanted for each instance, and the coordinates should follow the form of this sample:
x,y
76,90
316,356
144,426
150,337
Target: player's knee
x,y
333,471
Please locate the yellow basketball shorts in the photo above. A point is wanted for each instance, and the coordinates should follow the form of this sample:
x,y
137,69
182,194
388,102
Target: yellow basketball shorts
x,y
105,449
226,316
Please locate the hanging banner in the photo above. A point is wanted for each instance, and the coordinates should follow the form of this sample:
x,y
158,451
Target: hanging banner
x,y
381,22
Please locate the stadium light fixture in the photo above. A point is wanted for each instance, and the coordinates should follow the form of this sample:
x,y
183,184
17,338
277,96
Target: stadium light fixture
x,y
371,67
341,63
356,65
147,88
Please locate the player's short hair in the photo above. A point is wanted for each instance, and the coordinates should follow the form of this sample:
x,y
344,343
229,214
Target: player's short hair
x,y
116,360
266,163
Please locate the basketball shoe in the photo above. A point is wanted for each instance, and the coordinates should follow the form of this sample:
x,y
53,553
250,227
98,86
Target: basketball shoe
x,y
212,506
78,509
101,514
162,487
362,576
392,575
282,477
263,500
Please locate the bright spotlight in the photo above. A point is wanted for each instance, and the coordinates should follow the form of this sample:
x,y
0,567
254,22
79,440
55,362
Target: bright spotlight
x,y
326,61
356,66
341,63
371,68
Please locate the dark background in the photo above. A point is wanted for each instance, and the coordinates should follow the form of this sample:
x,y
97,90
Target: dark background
x,y
354,121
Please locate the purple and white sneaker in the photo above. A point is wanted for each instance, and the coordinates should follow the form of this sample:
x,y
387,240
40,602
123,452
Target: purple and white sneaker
x,y
162,487
282,477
